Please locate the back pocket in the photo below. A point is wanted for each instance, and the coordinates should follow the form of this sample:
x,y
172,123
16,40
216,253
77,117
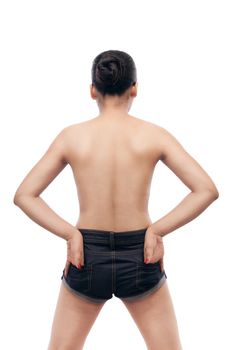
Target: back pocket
x,y
80,279
147,275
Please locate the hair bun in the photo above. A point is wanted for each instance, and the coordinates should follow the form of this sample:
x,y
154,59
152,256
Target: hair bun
x,y
113,72
110,70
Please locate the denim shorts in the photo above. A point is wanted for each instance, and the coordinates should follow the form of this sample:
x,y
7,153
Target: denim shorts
x,y
113,264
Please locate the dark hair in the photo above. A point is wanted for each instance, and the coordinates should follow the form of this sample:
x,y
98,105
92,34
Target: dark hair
x,y
113,72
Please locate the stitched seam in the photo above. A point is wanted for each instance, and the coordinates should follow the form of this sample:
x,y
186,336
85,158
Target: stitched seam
x,y
139,277
114,271
89,277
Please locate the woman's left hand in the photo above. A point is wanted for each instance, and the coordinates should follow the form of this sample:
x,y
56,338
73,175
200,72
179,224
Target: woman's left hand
x,y
153,248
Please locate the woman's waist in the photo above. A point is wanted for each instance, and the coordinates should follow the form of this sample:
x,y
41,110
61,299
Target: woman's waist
x,y
115,222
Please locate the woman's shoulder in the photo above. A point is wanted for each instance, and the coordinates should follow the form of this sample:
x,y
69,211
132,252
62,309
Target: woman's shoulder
x,y
153,126
67,130
157,131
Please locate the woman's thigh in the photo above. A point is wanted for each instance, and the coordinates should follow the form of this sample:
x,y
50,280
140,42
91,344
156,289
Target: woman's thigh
x,y
73,319
155,317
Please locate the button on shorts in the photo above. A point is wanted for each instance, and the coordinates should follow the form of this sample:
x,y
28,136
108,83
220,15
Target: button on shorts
x,y
113,265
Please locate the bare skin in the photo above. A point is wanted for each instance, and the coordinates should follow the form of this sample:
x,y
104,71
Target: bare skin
x,y
113,157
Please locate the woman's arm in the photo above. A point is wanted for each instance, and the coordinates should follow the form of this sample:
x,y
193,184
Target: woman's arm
x,y
27,196
203,190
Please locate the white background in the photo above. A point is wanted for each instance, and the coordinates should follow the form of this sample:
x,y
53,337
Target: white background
x,y
183,54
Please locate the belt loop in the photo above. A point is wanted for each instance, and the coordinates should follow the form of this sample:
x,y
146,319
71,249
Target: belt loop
x,y
112,242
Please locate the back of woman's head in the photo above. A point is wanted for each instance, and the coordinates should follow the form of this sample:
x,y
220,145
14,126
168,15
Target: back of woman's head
x,y
113,72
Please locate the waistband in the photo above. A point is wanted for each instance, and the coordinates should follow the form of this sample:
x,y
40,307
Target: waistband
x,y
117,235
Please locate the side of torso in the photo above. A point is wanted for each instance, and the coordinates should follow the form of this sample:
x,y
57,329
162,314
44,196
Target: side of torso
x,y
113,163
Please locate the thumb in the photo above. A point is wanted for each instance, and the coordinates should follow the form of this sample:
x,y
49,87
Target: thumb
x,y
161,264
148,253
67,268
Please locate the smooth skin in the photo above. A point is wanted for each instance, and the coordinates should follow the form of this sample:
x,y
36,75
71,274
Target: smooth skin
x,y
113,157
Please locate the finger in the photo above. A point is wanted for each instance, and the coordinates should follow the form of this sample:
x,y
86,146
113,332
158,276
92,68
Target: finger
x,y
78,264
67,268
148,253
77,261
161,265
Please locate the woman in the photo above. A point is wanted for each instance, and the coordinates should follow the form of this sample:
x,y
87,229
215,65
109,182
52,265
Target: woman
x,y
115,248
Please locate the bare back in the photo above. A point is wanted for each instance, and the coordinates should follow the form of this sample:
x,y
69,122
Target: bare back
x,y
113,162
113,159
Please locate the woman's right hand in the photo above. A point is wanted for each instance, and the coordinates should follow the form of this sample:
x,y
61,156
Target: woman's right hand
x,y
74,251
153,248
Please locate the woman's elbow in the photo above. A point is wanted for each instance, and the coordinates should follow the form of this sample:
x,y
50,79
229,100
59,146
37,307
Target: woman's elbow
x,y
212,193
209,194
16,199
19,198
